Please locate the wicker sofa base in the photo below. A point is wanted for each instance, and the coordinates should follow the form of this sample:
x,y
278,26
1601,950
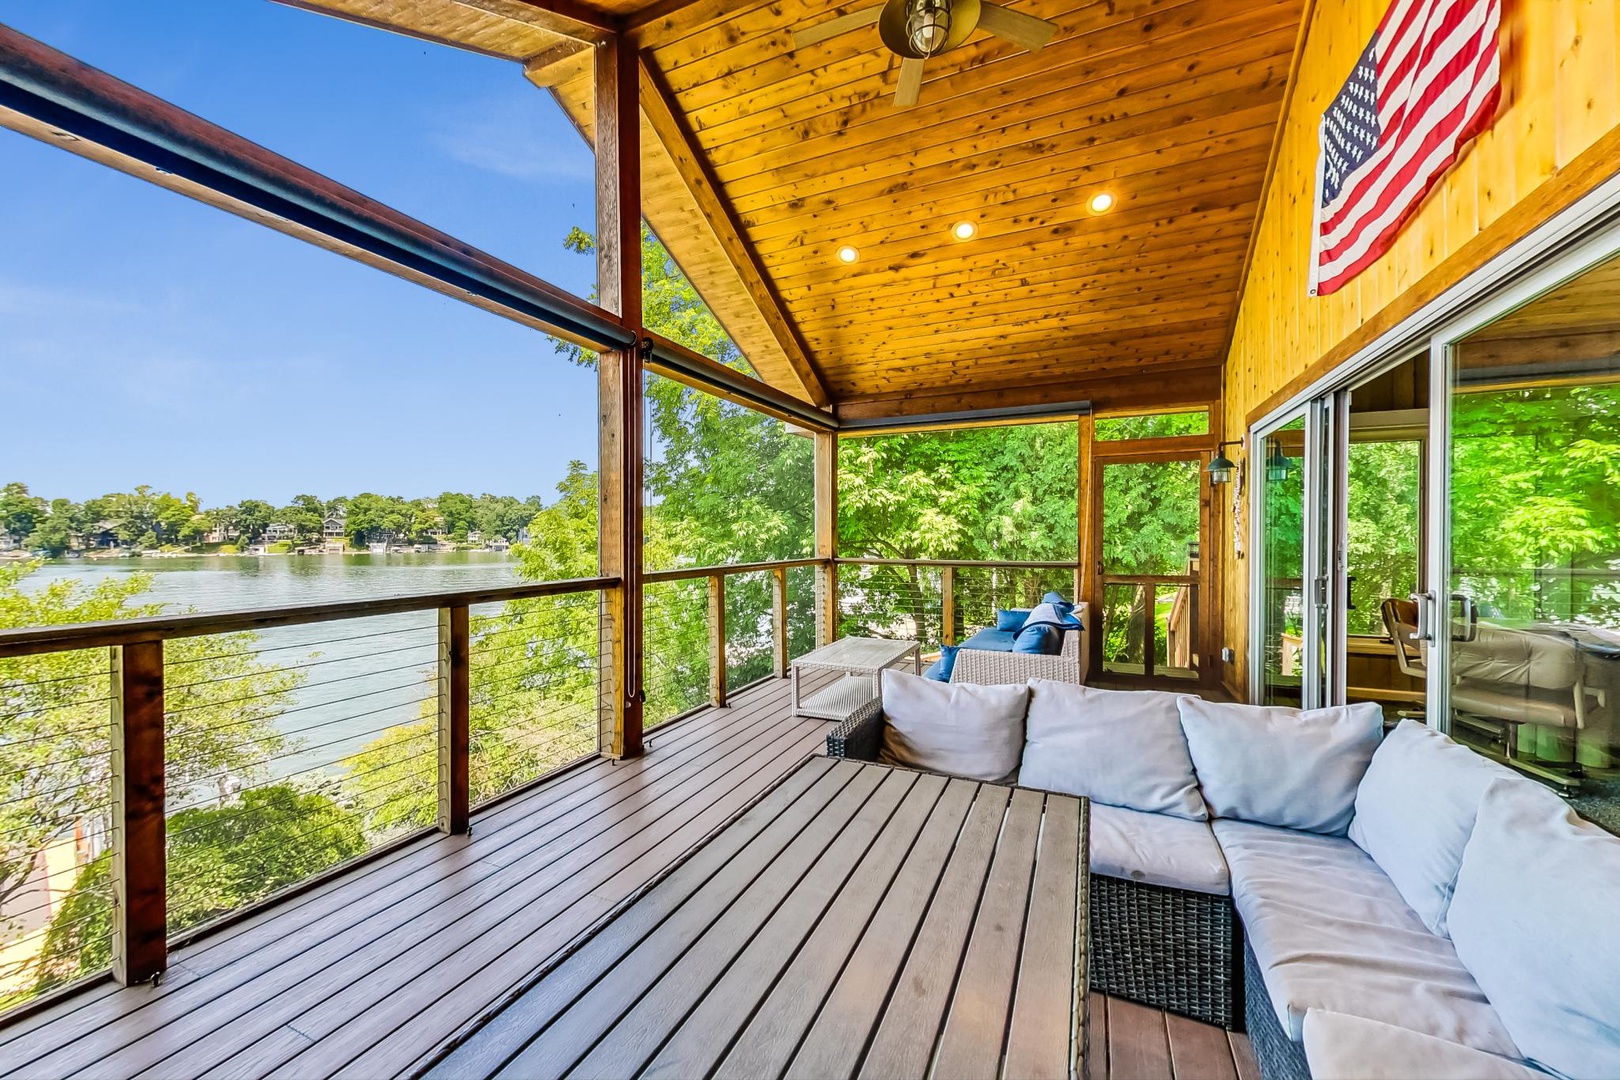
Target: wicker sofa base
x,y
1279,1057
1168,948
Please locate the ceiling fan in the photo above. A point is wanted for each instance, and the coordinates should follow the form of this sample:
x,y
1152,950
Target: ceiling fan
x,y
914,30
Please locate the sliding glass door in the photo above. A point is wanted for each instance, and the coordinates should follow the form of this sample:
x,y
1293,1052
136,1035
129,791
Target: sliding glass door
x,y
1530,623
1289,471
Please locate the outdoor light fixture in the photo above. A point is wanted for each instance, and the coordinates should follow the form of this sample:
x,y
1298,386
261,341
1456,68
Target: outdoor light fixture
x,y
1220,467
928,25
1279,466
847,254
1101,203
964,230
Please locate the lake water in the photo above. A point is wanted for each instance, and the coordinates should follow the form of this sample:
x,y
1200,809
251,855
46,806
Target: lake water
x,y
363,676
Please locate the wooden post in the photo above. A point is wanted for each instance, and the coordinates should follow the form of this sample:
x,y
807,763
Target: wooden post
x,y
140,938
619,392
1087,500
779,619
455,741
947,604
826,494
717,640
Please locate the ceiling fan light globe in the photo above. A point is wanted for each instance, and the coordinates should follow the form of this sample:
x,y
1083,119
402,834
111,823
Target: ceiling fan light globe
x,y
928,25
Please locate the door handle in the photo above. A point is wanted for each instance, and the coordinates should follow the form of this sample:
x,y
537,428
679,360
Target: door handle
x,y
1470,619
1424,601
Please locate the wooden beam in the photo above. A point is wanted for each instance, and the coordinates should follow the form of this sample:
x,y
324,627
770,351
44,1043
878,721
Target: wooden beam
x,y
717,640
779,620
947,605
1161,388
619,393
826,495
706,191
569,18
1087,501
556,65
455,730
139,868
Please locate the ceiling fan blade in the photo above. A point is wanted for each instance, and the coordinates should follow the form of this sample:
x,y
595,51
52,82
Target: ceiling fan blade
x,y
820,32
1015,26
910,85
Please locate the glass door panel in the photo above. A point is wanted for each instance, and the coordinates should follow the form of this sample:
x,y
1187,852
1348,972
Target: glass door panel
x,y
1279,470
1152,521
1532,626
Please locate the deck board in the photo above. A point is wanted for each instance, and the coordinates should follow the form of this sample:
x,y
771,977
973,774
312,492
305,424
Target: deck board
x,y
323,981
381,969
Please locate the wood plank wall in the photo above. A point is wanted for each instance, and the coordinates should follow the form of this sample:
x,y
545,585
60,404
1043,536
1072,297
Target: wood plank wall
x,y
1558,120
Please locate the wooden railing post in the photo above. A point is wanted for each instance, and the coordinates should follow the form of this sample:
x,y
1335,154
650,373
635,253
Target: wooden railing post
x,y
826,495
947,604
139,858
717,640
455,734
779,619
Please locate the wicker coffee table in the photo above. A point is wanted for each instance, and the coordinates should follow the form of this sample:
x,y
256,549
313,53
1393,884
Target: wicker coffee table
x,y
862,661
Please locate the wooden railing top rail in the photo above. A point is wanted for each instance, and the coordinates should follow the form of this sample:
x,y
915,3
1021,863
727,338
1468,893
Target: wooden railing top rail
x,y
985,564
1149,579
33,640
694,573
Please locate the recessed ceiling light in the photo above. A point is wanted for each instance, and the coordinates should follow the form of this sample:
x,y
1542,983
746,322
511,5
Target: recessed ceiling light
x,y
1101,203
964,230
847,254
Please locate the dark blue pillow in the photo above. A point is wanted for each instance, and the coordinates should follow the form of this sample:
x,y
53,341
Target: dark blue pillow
x,y
1011,620
940,670
1044,639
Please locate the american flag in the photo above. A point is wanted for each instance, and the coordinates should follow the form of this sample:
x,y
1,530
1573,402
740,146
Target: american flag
x,y
1428,81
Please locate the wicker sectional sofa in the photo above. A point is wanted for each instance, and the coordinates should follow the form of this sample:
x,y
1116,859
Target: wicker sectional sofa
x,y
1397,938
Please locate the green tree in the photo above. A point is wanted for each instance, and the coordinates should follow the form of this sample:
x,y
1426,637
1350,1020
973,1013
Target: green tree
x,y
221,702
253,517
55,533
20,512
220,859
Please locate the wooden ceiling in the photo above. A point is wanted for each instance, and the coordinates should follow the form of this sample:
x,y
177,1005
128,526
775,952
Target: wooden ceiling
x,y
1571,333
760,161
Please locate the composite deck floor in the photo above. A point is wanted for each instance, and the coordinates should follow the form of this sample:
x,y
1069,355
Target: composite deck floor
x,y
377,971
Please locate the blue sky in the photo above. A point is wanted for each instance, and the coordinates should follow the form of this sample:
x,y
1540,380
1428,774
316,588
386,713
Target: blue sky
x,y
146,338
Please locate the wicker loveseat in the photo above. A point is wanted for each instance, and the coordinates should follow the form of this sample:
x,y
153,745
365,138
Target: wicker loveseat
x,y
975,663
1453,926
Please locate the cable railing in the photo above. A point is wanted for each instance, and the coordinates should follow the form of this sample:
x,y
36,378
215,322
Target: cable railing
x,y
162,773
940,601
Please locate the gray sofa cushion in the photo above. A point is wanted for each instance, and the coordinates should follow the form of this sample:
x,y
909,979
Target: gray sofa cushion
x,y
1120,747
1157,849
1533,917
959,729
1279,766
1414,811
1330,931
1340,1047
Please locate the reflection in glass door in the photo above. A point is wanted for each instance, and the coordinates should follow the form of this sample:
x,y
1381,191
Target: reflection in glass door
x,y
1532,633
1278,469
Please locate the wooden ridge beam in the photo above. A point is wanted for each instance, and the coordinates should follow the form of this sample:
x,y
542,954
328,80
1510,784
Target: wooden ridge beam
x,y
706,192
1152,390
568,18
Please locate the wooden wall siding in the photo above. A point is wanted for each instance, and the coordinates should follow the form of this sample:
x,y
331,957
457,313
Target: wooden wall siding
x,y
1561,97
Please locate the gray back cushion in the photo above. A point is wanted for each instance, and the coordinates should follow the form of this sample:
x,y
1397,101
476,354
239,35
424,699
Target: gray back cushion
x,y
1533,918
1120,747
959,729
1414,811
1294,768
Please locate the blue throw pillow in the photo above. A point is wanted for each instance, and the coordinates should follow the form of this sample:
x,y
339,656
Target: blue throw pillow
x,y
1054,597
1043,639
1013,620
940,670
1060,616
